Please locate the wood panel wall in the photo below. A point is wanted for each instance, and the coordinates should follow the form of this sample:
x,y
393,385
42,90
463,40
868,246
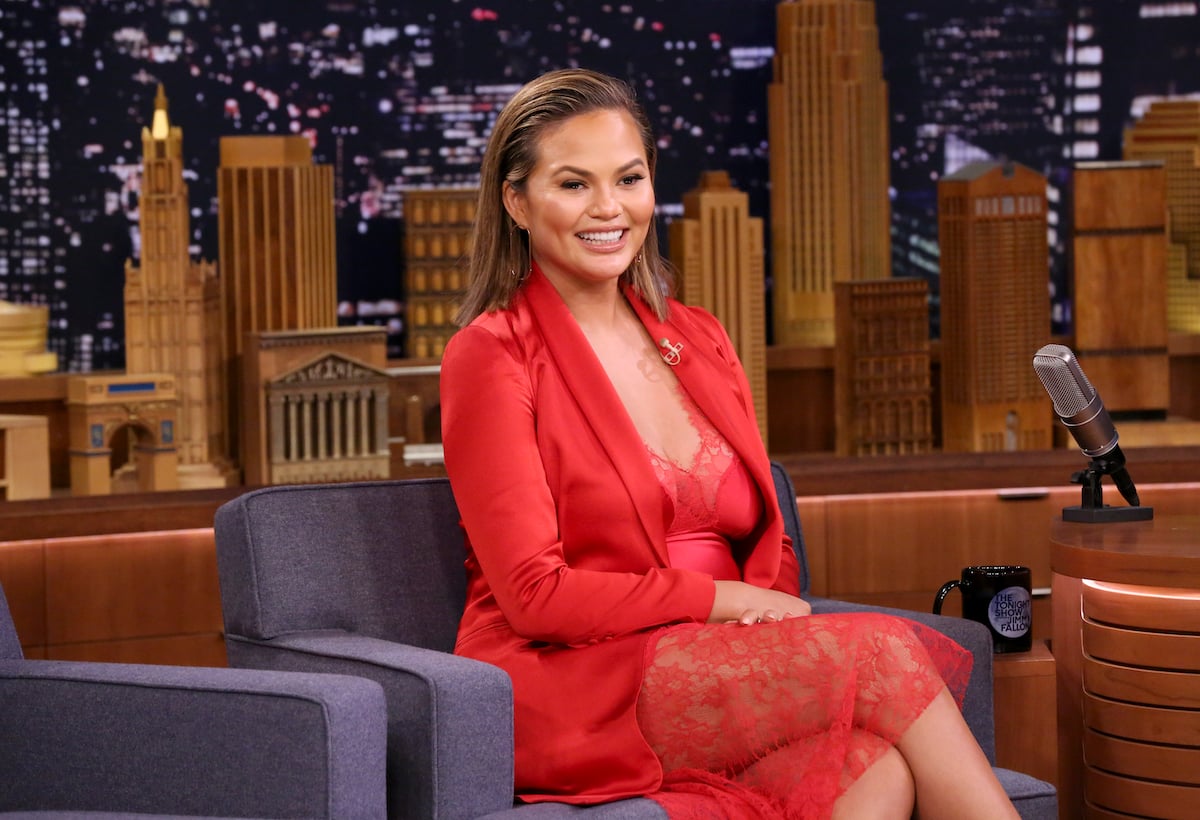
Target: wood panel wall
x,y
153,596
145,597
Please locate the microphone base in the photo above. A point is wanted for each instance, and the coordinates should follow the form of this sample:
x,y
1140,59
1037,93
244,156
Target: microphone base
x,y
1106,514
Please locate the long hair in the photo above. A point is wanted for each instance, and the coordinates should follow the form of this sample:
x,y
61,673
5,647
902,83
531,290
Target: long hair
x,y
500,255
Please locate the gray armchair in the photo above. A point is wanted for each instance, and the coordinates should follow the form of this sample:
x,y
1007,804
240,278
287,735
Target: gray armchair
x,y
367,579
125,740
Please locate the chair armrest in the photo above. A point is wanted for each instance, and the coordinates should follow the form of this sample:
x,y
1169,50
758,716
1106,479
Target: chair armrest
x,y
450,719
977,703
189,741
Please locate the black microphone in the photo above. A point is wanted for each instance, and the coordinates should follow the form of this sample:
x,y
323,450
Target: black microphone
x,y
1079,407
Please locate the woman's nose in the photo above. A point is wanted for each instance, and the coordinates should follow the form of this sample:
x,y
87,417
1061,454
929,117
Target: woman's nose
x,y
604,203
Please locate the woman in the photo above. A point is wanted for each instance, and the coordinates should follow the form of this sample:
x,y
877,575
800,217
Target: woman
x,y
626,561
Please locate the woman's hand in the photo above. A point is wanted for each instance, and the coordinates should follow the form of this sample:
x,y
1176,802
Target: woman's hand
x,y
737,602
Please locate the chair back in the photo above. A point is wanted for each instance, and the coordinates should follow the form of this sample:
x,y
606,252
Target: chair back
x,y
382,559
10,644
785,493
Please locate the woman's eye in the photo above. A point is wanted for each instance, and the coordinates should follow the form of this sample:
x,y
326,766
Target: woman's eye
x,y
632,179
573,185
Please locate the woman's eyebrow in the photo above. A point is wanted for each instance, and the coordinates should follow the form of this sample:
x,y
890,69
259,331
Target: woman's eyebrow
x,y
580,172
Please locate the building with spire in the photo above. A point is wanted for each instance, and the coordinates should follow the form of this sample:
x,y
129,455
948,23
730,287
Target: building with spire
x,y
995,308
829,162
717,248
172,307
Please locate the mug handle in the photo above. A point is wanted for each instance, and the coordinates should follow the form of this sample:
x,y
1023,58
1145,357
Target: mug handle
x,y
942,593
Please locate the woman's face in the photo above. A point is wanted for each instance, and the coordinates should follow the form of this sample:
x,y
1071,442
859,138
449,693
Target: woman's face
x,y
588,202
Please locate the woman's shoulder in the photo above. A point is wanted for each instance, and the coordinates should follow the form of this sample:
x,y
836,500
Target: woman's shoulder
x,y
502,332
695,319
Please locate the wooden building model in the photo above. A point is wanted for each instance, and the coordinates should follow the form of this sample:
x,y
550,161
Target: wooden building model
x,y
829,162
1119,255
278,243
995,308
173,309
315,406
1169,131
883,394
437,240
717,248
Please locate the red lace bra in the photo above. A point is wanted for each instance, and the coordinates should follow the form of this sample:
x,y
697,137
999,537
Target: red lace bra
x,y
714,500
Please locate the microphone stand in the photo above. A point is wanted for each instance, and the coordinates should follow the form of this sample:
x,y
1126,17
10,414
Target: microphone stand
x,y
1091,509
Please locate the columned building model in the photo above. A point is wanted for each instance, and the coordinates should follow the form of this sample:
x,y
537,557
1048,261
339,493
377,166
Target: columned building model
x,y
277,240
1170,131
829,155
995,308
717,248
172,308
316,406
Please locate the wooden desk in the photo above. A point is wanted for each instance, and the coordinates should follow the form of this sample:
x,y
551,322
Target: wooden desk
x,y
1143,572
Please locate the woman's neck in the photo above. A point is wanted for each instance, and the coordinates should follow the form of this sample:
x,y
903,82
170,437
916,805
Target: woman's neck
x,y
596,306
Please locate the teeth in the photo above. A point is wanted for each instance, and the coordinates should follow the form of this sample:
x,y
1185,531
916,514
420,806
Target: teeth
x,y
601,236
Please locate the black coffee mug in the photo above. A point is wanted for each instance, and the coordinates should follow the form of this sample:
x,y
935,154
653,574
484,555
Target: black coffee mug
x,y
999,598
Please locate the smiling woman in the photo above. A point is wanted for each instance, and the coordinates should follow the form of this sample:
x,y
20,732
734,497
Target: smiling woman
x,y
589,202
514,173
626,560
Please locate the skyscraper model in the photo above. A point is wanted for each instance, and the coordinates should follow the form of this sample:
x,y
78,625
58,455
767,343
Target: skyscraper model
x,y
1119,271
718,249
172,308
995,308
437,241
883,398
277,246
827,109
1170,131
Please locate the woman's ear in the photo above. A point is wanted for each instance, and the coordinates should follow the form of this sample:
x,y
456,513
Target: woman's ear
x,y
514,203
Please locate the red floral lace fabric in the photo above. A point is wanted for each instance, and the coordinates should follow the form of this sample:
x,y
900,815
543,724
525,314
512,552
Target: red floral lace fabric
x,y
713,498
776,720
772,721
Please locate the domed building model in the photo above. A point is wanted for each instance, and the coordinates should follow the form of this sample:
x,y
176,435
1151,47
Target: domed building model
x,y
23,333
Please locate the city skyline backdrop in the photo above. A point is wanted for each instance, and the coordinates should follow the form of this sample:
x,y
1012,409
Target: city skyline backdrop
x,y
396,98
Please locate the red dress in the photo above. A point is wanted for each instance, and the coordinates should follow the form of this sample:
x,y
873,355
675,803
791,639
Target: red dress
x,y
771,720
571,589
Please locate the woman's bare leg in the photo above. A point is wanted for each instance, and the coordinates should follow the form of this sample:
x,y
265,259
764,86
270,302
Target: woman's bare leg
x,y
953,778
885,791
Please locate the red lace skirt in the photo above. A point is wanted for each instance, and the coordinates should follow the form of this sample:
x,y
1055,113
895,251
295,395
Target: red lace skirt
x,y
776,720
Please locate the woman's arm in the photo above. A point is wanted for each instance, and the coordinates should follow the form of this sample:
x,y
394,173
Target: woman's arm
x,y
490,437
788,579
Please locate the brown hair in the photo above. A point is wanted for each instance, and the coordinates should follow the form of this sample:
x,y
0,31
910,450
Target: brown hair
x,y
500,252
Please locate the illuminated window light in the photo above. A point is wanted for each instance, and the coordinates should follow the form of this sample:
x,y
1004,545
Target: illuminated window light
x,y
1085,149
1167,10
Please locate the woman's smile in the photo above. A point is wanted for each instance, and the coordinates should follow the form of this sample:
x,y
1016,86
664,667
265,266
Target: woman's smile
x,y
604,240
